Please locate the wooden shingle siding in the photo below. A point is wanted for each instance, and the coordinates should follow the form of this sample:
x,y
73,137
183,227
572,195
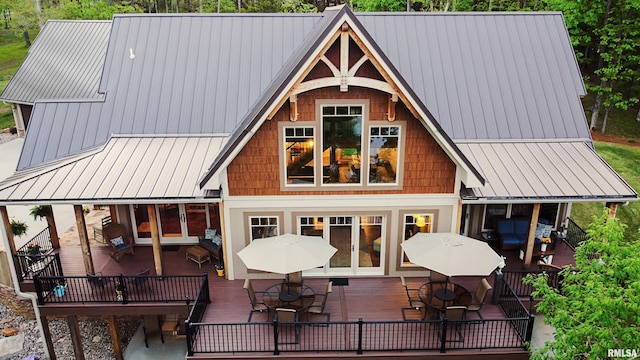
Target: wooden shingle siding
x,y
256,169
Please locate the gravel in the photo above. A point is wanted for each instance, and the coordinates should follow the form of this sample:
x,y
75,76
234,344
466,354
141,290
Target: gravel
x,y
96,339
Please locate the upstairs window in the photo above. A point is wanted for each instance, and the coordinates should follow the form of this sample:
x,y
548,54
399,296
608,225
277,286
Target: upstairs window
x,y
341,144
383,154
299,155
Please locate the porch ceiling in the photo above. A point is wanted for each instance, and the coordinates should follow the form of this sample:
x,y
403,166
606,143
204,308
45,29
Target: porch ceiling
x,y
538,170
127,168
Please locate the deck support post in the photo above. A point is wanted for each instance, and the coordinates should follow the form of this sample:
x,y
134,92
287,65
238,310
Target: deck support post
x,y
47,337
7,229
53,230
459,218
113,214
84,239
528,254
115,338
613,209
76,337
155,239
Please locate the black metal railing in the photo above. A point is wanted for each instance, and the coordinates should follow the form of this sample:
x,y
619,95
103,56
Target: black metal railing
x,y
196,313
120,288
575,234
42,240
512,306
357,336
514,279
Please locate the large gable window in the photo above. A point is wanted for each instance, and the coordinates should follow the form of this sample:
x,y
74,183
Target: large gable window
x,y
299,155
341,143
383,154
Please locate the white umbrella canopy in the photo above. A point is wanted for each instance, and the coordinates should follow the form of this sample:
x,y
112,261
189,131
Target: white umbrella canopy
x,y
286,253
452,254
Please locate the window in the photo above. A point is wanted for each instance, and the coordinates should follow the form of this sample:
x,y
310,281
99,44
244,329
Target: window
x,y
262,227
494,212
341,143
383,154
413,224
299,155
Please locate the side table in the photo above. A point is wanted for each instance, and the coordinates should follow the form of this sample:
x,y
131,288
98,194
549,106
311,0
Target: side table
x,y
198,255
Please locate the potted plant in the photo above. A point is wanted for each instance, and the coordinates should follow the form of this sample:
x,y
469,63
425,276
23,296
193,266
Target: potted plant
x,y
119,290
18,228
544,242
33,249
40,211
220,269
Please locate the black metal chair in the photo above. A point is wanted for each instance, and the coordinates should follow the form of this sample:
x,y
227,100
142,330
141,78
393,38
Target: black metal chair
x,y
454,313
479,297
317,308
287,318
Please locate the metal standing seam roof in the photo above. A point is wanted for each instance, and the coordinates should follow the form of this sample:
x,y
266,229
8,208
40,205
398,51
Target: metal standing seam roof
x,y
128,167
64,62
553,170
482,76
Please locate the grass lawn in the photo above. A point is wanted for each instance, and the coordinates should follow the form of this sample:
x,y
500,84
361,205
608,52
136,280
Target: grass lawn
x,y
13,51
625,160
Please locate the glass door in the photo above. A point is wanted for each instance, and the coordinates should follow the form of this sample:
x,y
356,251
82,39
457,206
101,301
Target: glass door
x,y
177,223
341,237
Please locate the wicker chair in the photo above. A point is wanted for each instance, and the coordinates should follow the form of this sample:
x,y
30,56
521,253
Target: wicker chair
x,y
118,239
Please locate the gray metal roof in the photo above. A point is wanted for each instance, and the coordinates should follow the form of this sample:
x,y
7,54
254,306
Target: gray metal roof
x,y
64,62
495,76
538,170
488,75
126,168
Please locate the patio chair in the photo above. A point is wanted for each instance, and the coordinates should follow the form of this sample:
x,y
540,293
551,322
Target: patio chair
x,y
454,313
96,281
317,308
294,281
288,317
119,240
140,280
479,297
436,277
256,305
415,303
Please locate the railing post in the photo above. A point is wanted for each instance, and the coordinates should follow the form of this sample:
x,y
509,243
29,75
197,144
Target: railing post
x,y
187,329
498,284
276,351
443,338
59,271
360,326
38,285
206,288
530,328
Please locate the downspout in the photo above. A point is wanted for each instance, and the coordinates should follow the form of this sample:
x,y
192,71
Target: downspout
x,y
24,295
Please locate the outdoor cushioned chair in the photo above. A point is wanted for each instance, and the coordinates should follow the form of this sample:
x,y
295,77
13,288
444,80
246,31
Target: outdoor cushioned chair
x,y
454,313
118,239
287,317
479,297
317,308
415,302
256,305
436,276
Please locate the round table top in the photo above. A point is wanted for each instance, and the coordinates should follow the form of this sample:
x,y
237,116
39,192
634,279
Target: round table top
x,y
440,294
279,296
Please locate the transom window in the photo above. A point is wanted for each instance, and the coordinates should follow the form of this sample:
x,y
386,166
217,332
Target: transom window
x,y
413,224
263,226
341,143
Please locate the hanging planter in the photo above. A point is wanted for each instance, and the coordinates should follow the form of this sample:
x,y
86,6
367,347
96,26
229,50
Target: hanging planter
x,y
18,228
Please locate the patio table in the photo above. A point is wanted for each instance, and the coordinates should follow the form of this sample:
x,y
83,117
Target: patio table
x,y
440,294
279,296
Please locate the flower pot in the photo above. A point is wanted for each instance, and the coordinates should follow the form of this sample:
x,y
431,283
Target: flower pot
x,y
220,272
543,247
119,295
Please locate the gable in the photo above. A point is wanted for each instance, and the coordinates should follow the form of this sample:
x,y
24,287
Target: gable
x,y
356,50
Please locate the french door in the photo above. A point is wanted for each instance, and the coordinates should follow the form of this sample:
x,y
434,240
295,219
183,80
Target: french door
x,y
177,223
357,238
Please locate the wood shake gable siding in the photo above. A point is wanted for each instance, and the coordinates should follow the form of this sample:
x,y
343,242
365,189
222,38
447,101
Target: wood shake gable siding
x,y
427,168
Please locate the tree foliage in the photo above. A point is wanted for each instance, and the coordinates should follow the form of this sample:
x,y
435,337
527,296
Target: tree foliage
x,y
599,304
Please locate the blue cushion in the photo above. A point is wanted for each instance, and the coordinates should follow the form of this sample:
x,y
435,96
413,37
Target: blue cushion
x,y
123,247
117,241
505,226
521,227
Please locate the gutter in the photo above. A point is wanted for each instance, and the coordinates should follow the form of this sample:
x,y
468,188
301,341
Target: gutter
x,y
24,295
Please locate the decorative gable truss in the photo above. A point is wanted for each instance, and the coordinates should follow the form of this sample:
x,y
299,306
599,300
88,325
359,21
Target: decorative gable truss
x,y
343,63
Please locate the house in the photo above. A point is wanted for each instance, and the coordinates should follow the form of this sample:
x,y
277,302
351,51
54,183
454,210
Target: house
x,y
364,128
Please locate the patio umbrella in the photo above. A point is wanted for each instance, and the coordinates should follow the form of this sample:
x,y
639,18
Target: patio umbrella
x,y
452,254
287,253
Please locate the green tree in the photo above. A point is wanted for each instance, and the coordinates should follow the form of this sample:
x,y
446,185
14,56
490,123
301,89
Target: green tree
x,y
599,305
24,17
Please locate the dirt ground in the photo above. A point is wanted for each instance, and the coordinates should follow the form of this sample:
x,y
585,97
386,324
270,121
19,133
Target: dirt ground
x,y
598,136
